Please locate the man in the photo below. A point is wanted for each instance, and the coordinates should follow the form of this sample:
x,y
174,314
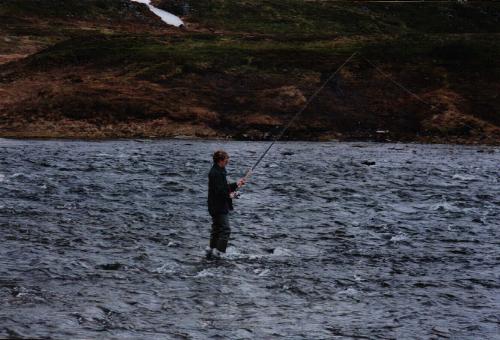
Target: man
x,y
220,203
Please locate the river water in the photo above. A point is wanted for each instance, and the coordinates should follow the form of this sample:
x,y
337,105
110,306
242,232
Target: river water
x,y
330,240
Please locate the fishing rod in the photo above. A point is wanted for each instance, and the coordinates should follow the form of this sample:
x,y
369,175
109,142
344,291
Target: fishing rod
x,y
313,96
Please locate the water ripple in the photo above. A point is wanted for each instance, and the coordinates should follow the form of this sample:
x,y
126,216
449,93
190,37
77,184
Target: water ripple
x,y
346,240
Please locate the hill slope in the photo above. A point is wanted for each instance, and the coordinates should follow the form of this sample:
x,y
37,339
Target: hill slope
x,y
243,68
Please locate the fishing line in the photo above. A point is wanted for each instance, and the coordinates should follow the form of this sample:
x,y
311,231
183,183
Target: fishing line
x,y
404,88
401,86
313,96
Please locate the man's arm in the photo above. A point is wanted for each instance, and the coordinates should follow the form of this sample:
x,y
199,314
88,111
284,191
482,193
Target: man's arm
x,y
235,186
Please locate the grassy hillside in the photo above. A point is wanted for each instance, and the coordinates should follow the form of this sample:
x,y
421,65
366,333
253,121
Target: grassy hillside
x,y
61,18
242,68
342,17
88,9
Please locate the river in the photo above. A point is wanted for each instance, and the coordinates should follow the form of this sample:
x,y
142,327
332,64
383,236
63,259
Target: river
x,y
347,240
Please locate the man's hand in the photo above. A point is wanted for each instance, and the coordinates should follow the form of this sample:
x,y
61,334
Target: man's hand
x,y
241,182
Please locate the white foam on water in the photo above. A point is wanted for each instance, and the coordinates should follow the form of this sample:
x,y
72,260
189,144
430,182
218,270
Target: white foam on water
x,y
165,16
398,238
265,272
261,272
279,251
2,177
233,254
445,206
167,268
349,292
84,265
205,273
171,243
464,177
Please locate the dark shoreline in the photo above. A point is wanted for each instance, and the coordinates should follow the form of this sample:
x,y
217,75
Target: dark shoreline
x,y
204,139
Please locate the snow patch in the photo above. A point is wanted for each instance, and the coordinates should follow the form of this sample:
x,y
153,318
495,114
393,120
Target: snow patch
x,y
165,16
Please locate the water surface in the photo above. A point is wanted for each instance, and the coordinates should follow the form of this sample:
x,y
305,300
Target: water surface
x,y
346,240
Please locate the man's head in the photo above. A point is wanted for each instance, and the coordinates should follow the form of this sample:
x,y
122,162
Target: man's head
x,y
221,158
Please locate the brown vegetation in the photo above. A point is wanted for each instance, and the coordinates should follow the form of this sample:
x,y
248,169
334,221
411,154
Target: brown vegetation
x,y
99,75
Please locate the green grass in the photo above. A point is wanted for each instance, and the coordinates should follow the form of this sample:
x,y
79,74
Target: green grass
x,y
201,53
63,18
459,53
343,17
192,54
63,8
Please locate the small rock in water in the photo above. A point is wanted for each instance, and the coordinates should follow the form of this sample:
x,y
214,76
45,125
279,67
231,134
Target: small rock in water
x,y
110,266
490,151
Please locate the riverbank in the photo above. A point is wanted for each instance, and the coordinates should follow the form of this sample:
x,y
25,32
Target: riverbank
x,y
119,72
114,134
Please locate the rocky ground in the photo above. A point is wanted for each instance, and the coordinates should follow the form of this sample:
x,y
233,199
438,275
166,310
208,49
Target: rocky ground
x,y
241,69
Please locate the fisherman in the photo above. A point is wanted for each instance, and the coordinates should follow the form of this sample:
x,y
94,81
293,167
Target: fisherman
x,y
220,203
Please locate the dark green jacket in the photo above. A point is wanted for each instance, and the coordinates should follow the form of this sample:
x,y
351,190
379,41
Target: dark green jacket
x,y
219,201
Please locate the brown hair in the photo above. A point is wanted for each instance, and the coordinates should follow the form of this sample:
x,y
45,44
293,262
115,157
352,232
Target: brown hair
x,y
220,155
